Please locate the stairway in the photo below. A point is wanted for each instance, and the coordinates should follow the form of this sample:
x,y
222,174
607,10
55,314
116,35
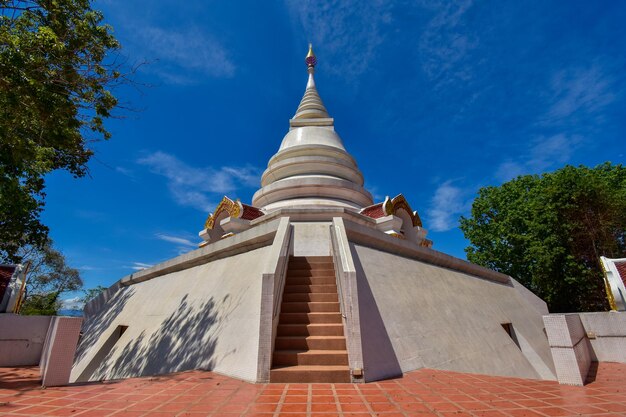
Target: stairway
x,y
310,345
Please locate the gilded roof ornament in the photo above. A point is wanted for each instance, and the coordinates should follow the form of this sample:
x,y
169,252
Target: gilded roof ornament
x,y
310,59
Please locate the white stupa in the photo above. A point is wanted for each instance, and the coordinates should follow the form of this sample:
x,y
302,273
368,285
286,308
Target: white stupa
x,y
313,281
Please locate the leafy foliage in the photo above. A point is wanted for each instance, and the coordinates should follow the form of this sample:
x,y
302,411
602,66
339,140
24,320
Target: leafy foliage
x,y
49,276
91,293
55,93
41,305
549,232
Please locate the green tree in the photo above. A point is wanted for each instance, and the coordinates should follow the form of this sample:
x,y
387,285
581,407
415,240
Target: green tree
x,y
91,293
549,232
48,277
56,74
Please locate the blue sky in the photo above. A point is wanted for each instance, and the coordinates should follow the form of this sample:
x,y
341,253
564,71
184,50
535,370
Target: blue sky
x,y
434,99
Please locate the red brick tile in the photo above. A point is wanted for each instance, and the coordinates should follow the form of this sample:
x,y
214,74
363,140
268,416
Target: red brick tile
x,y
36,410
318,391
553,411
376,398
296,399
64,412
263,408
197,393
414,407
444,407
523,413
126,413
297,392
268,399
353,407
473,405
383,407
350,398
294,408
206,408
232,408
172,407
323,399
323,408
489,413
615,407
95,413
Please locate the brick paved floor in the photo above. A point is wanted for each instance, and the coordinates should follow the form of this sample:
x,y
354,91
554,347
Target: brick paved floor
x,y
418,394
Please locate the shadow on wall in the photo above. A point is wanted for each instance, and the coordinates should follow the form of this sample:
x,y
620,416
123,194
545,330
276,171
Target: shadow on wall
x,y
185,340
98,323
379,358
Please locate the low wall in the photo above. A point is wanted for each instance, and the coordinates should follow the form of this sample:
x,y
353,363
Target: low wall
x,y
606,332
22,339
47,341
578,339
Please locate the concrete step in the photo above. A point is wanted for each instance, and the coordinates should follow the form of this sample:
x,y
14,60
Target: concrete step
x,y
311,267
311,297
310,374
315,307
330,280
310,273
310,342
309,288
315,329
310,357
310,318
311,259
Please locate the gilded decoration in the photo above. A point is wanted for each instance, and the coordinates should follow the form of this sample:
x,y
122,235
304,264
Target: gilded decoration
x,y
607,288
233,208
391,206
398,235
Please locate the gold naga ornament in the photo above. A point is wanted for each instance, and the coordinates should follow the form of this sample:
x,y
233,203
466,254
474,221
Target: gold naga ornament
x,y
233,208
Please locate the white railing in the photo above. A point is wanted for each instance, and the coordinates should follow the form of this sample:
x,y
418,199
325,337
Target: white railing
x,y
346,276
273,281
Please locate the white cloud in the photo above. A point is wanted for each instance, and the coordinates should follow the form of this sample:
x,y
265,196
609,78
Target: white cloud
x,y
575,107
448,203
348,31
198,187
124,171
189,49
175,239
578,92
72,304
138,266
543,153
88,268
444,44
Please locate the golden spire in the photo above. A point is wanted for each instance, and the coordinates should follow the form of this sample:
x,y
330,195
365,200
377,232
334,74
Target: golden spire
x,y
310,58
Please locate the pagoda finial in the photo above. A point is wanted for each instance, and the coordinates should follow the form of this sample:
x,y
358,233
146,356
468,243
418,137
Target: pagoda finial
x,y
310,59
311,111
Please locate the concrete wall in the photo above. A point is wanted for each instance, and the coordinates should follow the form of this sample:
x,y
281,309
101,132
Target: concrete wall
x,y
311,239
58,352
606,332
203,317
577,340
22,339
414,314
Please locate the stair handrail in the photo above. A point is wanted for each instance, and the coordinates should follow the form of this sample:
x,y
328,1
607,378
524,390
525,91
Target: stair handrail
x,y
273,280
346,276
280,273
